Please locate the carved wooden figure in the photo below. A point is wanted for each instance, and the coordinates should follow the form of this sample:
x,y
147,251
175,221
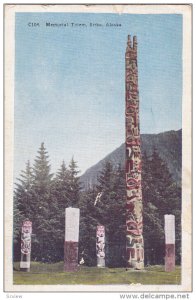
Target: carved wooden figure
x,y
26,246
100,246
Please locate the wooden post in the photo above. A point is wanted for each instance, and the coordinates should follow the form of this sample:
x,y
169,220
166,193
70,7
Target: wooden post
x,y
26,246
100,246
169,243
134,206
72,216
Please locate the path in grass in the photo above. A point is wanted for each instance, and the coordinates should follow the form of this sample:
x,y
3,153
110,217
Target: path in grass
x,y
53,274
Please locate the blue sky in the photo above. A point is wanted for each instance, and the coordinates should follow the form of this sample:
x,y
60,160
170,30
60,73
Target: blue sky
x,y
70,83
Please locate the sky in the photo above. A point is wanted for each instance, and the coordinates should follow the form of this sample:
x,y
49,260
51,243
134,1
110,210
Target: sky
x,y
70,83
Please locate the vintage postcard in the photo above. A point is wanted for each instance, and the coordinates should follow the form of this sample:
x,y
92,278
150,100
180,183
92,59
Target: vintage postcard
x,y
98,128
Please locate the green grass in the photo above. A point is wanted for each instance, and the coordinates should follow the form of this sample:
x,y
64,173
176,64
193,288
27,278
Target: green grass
x,y
42,273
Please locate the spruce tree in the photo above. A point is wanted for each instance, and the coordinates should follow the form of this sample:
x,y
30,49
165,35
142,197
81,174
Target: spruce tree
x,y
153,230
43,222
23,193
88,224
23,204
160,196
60,200
117,220
105,187
74,186
42,175
61,187
111,212
18,217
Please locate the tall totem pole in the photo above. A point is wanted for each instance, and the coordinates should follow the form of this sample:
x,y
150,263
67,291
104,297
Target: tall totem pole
x,y
134,218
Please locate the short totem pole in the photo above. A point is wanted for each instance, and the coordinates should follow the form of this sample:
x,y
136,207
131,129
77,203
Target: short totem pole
x,y
134,207
169,243
100,246
26,246
72,216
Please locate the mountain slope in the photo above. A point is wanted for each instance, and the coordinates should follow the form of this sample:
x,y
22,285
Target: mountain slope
x,y
168,145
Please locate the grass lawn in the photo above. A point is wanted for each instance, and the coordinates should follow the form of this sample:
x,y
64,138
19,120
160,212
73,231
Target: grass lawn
x,y
42,273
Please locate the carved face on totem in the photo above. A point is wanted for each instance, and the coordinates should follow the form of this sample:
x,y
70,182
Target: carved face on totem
x,y
100,249
133,65
137,164
26,237
26,242
100,242
133,181
134,228
137,211
136,151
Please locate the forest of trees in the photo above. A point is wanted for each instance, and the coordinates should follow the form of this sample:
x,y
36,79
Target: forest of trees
x,y
42,197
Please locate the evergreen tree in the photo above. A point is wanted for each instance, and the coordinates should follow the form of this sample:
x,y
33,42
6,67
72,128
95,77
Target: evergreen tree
x,y
117,220
61,187
153,230
17,222
105,187
160,196
74,186
95,212
60,200
43,200
43,221
168,195
111,212
42,175
88,225
18,217
22,207
23,193
65,192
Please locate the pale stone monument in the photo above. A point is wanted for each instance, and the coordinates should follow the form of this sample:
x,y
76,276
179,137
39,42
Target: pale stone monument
x,y
72,216
169,243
